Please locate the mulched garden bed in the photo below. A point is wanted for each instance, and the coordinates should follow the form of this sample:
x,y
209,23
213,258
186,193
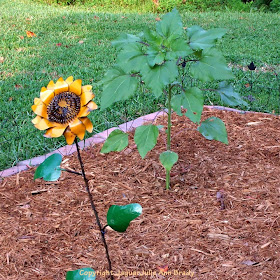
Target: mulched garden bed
x,y
220,220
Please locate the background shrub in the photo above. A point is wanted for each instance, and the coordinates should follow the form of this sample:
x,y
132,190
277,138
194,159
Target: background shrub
x,y
163,6
275,6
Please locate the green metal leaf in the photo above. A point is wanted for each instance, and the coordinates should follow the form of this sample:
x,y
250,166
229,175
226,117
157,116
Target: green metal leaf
x,y
125,39
211,66
119,217
229,96
160,126
118,85
168,159
204,39
157,77
145,138
192,100
81,274
214,129
170,24
49,169
116,142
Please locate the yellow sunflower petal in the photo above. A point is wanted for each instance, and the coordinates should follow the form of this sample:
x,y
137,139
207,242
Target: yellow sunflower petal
x,y
43,124
69,80
37,101
77,127
86,97
40,110
76,87
92,106
43,89
60,86
47,96
55,131
36,120
69,136
83,112
87,123
86,88
51,85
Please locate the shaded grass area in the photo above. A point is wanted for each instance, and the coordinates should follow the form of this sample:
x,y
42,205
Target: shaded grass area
x,y
76,41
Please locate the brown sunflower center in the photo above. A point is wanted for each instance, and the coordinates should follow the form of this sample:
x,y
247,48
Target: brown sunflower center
x,y
64,107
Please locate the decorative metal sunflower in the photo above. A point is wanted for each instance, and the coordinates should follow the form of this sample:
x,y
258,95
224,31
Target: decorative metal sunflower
x,y
63,108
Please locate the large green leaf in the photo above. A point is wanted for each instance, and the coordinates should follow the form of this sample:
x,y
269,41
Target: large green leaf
x,y
204,39
155,55
119,217
192,100
116,142
152,37
170,24
125,39
157,77
229,96
145,138
177,48
168,159
211,66
132,58
118,85
49,169
81,274
214,129
161,49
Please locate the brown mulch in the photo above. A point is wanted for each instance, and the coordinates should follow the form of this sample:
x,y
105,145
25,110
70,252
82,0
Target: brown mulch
x,y
220,220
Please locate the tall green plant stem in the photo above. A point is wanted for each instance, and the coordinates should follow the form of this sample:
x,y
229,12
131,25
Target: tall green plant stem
x,y
102,232
168,133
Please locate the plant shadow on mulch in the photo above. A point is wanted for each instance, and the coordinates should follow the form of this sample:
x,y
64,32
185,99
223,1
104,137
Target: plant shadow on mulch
x,y
44,235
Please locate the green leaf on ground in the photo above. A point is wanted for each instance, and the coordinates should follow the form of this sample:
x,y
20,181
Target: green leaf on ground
x,y
116,142
49,169
229,96
211,66
192,100
119,217
81,274
145,138
168,159
204,39
118,86
214,129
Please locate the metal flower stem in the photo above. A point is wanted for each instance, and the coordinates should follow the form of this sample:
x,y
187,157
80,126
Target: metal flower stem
x,y
102,232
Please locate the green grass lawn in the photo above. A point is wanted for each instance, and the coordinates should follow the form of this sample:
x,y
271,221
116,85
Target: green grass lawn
x,y
76,41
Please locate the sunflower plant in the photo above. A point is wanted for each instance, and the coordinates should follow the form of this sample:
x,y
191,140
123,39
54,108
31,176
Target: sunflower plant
x,y
169,60
63,109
